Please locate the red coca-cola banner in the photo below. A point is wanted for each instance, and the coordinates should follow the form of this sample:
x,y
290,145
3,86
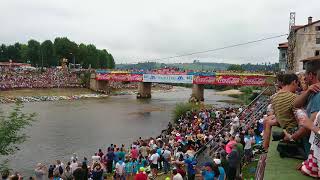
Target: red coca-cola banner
x,y
234,80
204,79
254,81
227,80
120,77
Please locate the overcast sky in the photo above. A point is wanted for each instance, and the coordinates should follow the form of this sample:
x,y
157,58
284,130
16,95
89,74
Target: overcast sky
x,y
140,30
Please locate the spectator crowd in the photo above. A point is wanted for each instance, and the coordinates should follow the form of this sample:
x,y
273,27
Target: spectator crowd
x,y
48,78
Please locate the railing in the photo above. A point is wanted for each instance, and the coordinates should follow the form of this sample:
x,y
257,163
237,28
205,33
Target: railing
x,y
205,146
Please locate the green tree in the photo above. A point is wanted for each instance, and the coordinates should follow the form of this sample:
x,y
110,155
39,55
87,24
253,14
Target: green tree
x,y
3,53
24,53
111,64
33,52
64,48
11,130
235,67
92,56
47,53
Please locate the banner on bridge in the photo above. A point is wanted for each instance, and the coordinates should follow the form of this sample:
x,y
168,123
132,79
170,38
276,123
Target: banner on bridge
x,y
234,80
120,77
185,79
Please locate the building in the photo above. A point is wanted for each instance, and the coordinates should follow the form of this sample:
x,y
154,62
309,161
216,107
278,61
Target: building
x,y
283,47
303,43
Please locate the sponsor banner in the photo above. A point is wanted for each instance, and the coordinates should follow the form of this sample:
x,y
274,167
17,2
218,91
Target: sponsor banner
x,y
227,80
204,79
254,81
186,79
120,77
202,73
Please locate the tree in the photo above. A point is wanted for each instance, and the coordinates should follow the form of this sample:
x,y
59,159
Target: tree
x,y
235,67
111,64
64,48
3,53
33,52
47,53
11,127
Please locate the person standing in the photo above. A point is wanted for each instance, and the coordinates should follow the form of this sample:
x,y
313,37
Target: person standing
x,y
40,171
110,157
154,162
166,154
234,162
191,168
120,170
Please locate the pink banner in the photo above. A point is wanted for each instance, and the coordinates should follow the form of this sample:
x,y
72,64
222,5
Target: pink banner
x,y
204,79
120,77
254,80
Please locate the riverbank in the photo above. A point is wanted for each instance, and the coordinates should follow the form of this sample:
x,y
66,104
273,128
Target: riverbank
x,y
56,94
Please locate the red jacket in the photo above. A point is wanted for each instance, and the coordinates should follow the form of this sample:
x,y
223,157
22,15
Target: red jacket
x,y
141,176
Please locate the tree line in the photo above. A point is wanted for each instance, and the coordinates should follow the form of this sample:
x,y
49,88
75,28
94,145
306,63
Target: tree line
x,y
48,53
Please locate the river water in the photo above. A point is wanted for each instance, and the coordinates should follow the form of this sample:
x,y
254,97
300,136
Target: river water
x,y
83,126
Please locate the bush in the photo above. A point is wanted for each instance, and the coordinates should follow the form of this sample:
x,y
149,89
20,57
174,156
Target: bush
x,y
182,108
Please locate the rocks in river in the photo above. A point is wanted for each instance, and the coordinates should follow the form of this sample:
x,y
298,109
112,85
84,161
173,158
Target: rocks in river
x,y
48,98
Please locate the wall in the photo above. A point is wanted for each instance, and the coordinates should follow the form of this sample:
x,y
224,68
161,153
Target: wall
x,y
305,45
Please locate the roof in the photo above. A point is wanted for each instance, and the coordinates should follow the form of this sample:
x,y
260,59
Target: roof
x,y
314,58
283,45
295,28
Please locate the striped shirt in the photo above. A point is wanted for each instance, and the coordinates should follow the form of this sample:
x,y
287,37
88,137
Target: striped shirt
x,y
282,104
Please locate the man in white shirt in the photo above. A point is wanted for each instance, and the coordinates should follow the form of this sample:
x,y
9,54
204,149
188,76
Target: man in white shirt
x,y
176,175
73,165
120,167
249,140
154,162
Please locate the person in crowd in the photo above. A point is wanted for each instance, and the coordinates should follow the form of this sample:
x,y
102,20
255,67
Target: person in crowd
x,y
230,144
110,157
234,162
40,171
67,174
154,162
176,175
222,173
97,172
100,153
5,175
249,141
191,168
166,154
74,165
60,166
120,170
207,171
50,171
141,175
129,168
310,99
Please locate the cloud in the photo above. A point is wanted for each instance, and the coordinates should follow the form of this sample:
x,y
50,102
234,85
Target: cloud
x,y
144,30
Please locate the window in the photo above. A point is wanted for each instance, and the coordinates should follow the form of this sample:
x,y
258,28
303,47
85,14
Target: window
x,y
317,53
283,55
317,40
317,28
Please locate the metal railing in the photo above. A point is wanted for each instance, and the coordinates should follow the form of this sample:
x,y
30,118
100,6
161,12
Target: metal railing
x,y
205,146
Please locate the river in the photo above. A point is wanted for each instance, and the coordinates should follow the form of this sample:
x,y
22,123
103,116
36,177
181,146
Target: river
x,y
83,126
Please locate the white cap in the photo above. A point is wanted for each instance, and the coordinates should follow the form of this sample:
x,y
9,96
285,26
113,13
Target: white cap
x,y
217,161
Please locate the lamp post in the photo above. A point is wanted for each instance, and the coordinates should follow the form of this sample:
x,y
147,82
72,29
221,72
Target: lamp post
x,y
74,60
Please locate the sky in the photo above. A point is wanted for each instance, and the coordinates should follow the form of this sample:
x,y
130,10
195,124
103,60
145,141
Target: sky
x,y
147,30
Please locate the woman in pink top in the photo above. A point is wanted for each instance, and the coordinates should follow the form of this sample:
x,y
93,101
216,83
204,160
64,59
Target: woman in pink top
x,y
134,153
229,144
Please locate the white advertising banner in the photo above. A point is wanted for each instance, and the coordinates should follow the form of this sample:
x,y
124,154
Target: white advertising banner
x,y
160,78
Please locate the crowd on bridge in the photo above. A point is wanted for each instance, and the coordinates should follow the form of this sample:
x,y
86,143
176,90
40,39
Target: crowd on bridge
x,y
46,78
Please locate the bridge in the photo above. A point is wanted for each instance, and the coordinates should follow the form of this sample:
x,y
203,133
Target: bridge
x,y
100,79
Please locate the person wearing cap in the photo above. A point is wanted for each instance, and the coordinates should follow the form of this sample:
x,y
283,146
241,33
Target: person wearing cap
x,y
141,175
207,173
222,175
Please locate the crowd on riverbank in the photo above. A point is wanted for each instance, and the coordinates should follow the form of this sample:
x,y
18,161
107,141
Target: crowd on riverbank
x,y
47,78
173,153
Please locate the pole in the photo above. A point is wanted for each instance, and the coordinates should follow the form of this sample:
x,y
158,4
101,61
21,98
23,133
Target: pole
x,y
74,61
